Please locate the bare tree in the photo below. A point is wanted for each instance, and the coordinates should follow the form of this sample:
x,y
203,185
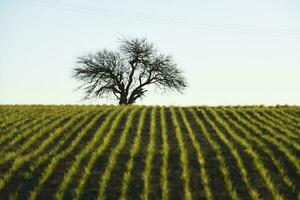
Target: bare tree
x,y
126,73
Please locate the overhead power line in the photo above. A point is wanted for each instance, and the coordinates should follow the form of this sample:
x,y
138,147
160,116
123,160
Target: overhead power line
x,y
164,20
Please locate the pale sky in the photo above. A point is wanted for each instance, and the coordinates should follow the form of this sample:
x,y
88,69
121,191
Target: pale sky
x,y
232,52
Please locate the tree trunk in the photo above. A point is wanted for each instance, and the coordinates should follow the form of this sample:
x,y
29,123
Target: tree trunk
x,y
130,101
123,99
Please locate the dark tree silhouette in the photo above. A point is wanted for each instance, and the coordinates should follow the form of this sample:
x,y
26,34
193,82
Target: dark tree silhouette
x,y
126,73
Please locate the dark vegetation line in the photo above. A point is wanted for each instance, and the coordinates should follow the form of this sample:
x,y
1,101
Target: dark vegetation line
x,y
273,128
284,116
64,122
54,173
91,152
260,146
203,175
37,136
233,142
16,119
134,150
183,155
26,118
19,135
286,122
149,157
49,155
207,132
164,173
276,139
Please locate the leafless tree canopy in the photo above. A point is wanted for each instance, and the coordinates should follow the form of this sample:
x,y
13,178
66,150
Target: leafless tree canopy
x,y
126,73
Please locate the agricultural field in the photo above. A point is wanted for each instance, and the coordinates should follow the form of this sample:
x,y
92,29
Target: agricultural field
x,y
149,152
